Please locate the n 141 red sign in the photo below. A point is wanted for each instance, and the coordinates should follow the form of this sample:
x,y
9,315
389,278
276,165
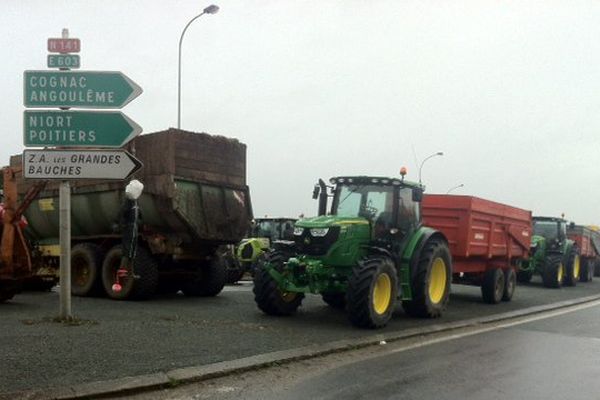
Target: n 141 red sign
x,y
58,45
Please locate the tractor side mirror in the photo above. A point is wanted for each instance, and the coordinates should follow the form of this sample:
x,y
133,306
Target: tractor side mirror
x,y
417,194
316,191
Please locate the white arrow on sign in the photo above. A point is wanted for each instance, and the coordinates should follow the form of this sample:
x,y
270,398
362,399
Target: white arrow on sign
x,y
79,164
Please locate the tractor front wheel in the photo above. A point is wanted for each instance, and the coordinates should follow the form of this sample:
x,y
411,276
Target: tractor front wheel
x,y
553,274
492,288
372,292
267,294
524,276
431,281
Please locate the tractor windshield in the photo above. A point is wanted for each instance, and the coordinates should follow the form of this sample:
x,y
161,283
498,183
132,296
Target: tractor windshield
x,y
546,229
367,201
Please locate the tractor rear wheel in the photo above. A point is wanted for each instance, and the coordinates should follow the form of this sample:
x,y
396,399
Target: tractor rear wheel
x,y
524,276
140,283
267,295
492,287
573,270
553,274
86,268
335,300
510,283
431,281
372,292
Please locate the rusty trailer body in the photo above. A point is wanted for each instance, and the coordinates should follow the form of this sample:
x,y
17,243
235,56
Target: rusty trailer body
x,y
486,239
195,199
588,243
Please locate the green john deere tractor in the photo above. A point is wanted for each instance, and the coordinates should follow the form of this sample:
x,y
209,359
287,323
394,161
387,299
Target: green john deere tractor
x,y
368,252
266,233
552,254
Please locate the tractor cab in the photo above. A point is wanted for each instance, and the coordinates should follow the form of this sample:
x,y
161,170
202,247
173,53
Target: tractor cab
x,y
375,209
273,229
553,230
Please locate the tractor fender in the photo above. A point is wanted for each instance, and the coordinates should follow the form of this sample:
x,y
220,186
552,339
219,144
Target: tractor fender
x,y
414,252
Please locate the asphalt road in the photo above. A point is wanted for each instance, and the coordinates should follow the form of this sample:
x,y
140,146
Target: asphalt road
x,y
553,358
117,339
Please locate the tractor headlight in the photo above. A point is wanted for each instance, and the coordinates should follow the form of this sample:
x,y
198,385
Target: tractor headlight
x,y
298,231
319,232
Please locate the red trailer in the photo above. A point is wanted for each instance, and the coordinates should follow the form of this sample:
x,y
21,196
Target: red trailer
x,y
486,239
588,243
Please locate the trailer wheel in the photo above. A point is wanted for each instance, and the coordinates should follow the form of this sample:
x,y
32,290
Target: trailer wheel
x,y
86,268
510,283
267,295
372,293
597,268
207,282
8,289
553,274
431,282
573,270
492,287
335,300
139,284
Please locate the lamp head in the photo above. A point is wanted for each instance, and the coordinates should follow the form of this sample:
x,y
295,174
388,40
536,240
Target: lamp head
x,y
212,9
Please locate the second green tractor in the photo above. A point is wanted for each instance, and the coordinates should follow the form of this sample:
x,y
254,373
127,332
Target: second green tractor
x,y
553,256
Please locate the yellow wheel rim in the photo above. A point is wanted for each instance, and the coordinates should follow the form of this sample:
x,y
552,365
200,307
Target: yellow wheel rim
x,y
576,267
561,272
382,293
437,280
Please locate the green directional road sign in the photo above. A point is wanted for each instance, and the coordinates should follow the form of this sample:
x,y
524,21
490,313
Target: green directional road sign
x,y
82,89
78,128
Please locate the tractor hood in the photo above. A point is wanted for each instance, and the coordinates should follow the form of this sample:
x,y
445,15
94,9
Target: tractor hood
x,y
326,221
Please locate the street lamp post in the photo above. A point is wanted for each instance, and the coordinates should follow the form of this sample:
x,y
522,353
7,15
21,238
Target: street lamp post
x,y
439,153
454,187
212,9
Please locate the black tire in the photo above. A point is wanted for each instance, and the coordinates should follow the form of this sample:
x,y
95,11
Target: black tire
x,y
492,287
423,305
524,276
510,284
267,295
587,271
553,272
139,284
335,300
208,281
86,269
573,267
372,293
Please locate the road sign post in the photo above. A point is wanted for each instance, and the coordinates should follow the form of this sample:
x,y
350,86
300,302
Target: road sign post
x,y
80,89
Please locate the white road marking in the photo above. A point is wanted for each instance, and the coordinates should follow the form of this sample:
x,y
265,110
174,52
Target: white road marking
x,y
495,326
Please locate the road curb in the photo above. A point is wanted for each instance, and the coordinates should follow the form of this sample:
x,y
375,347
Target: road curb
x,y
172,378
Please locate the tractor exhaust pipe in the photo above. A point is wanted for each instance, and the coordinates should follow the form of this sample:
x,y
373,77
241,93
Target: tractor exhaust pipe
x,y
322,197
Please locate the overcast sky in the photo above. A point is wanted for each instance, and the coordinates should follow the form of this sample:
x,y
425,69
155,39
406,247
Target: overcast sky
x,y
508,90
